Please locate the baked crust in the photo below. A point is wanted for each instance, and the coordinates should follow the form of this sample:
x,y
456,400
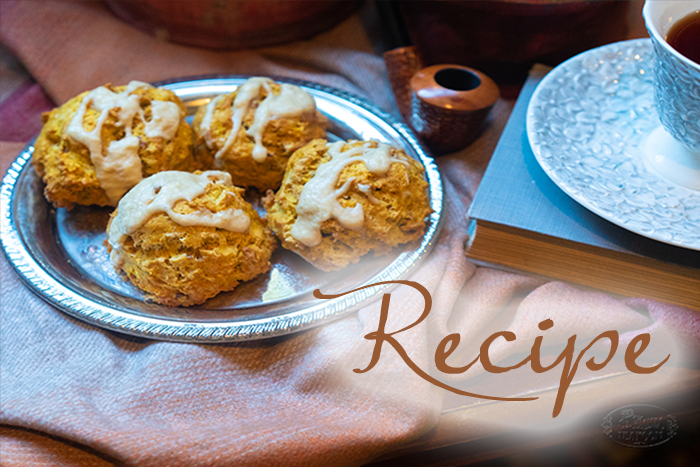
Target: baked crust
x,y
396,215
281,138
186,265
65,165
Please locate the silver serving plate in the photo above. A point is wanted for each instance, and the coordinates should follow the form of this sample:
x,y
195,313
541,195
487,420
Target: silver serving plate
x,y
61,256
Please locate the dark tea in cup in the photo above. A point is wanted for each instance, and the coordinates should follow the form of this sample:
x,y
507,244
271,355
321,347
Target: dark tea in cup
x,y
684,36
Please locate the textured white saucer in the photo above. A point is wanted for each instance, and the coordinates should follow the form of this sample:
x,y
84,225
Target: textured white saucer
x,y
587,124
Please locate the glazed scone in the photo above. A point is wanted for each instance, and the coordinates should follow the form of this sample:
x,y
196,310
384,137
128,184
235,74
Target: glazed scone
x,y
339,201
184,237
251,132
98,145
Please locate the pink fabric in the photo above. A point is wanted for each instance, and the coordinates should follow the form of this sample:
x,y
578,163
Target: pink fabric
x,y
69,45
18,113
73,394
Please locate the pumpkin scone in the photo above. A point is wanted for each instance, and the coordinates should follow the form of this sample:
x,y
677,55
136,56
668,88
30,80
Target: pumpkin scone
x,y
342,200
251,132
184,237
98,145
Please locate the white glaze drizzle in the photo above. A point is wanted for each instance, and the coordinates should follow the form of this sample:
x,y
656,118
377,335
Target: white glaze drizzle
x,y
120,169
165,120
159,193
205,126
318,201
367,190
292,101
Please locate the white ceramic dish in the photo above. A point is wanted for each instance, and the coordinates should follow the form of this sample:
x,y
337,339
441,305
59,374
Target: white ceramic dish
x,y
587,123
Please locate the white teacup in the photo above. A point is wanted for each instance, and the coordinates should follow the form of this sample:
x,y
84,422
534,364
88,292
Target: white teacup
x,y
675,152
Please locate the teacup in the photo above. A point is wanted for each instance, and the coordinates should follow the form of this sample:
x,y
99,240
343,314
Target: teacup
x,y
675,152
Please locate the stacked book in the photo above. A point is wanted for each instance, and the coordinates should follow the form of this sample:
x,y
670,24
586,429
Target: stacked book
x,y
520,219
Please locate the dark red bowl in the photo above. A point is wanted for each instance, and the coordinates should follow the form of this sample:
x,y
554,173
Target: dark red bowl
x,y
232,24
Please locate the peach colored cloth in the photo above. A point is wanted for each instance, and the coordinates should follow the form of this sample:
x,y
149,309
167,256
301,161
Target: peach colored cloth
x,y
73,394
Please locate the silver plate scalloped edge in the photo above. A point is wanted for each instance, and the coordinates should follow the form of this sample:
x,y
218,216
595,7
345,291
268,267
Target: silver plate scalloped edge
x,y
585,123
73,300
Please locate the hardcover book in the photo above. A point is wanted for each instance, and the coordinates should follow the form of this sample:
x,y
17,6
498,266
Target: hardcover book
x,y
520,219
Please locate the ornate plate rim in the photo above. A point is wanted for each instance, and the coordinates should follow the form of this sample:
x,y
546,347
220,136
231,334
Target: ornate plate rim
x,y
575,194
73,303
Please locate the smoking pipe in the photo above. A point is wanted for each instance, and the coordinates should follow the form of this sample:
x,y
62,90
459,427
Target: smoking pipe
x,y
446,105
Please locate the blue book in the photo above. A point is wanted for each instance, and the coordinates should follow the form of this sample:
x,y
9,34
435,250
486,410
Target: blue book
x,y
521,220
